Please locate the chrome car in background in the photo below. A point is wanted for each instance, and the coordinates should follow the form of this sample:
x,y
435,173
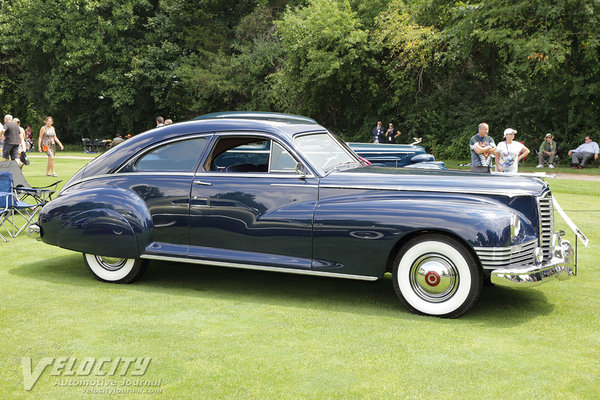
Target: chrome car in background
x,y
285,195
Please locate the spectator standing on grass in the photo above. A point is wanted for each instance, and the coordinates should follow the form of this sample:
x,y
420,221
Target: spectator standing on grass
x,y
47,142
160,121
10,135
509,153
482,149
391,134
378,133
584,153
29,137
22,144
547,150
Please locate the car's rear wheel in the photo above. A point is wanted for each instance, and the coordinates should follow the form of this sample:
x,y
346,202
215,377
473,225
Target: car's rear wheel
x,y
115,270
436,275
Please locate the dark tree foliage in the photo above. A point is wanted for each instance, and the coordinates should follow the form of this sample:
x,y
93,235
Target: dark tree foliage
x,y
435,68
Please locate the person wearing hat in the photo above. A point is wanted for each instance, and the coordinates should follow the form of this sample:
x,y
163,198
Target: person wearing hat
x,y
547,150
509,153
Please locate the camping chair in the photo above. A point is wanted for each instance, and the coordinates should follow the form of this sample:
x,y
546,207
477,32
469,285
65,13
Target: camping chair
x,y
5,211
556,161
14,208
42,194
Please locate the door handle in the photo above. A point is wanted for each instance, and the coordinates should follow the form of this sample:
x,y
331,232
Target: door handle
x,y
202,183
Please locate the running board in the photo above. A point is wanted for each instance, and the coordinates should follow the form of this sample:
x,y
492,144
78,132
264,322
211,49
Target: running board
x,y
260,267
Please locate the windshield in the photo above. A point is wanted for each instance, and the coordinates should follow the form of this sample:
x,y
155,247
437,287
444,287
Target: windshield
x,y
324,151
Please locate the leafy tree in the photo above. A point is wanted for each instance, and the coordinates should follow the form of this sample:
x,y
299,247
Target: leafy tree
x,y
330,71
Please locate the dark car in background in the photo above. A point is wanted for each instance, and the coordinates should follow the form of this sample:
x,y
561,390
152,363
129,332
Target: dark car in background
x,y
283,194
397,155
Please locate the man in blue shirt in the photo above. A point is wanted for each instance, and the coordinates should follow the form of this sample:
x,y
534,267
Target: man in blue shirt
x,y
378,133
584,153
482,147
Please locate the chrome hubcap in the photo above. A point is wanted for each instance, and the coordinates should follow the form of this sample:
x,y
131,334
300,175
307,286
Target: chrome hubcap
x,y
434,278
111,263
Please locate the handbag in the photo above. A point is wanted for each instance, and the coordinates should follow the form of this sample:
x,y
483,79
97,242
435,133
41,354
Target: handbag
x,y
23,158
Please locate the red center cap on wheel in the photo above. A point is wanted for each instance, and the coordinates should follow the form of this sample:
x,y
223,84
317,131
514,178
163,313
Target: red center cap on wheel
x,y
432,278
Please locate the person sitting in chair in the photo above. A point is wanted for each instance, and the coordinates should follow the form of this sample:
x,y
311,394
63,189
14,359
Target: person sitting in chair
x,y
584,153
547,150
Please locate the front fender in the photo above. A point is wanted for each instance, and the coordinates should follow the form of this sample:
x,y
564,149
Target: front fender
x,y
362,230
106,221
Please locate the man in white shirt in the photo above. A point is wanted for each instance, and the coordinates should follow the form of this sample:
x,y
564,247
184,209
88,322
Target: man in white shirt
x,y
584,153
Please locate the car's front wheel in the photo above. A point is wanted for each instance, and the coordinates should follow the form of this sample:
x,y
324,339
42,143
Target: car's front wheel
x,y
436,275
115,270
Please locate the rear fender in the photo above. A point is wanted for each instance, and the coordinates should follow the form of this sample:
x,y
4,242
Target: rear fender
x,y
107,221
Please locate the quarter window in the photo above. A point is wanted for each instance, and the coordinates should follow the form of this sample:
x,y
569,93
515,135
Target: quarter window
x,y
181,156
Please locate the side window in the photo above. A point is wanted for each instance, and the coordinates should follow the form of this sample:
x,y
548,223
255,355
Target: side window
x,y
180,156
281,160
250,154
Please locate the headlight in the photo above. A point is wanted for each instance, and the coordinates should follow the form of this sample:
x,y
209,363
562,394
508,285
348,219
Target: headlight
x,y
515,227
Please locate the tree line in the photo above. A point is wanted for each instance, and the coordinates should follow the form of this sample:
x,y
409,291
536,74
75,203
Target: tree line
x,y
435,68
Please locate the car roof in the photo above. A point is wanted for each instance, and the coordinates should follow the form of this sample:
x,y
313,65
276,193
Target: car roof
x,y
259,115
283,128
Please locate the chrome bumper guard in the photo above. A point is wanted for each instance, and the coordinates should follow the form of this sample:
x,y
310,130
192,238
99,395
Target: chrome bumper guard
x,y
561,266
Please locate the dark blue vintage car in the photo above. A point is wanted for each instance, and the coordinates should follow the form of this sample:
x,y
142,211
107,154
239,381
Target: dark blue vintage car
x,y
207,192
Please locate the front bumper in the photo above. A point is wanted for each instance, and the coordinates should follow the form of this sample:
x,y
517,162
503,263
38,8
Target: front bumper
x,y
561,266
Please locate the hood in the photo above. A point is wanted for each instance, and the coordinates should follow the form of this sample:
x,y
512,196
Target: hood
x,y
382,178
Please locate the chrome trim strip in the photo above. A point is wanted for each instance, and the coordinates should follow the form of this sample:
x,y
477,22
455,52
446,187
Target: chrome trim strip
x,y
504,249
259,267
191,174
253,175
114,175
514,256
512,193
294,185
546,223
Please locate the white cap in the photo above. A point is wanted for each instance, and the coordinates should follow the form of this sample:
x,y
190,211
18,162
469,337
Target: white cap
x,y
509,131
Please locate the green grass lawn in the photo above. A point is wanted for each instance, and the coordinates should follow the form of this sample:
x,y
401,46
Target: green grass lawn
x,y
530,166
225,333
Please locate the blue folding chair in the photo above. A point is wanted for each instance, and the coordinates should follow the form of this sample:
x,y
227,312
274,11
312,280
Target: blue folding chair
x,y
13,208
4,211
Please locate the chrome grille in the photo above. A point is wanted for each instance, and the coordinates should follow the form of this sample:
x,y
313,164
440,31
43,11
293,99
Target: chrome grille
x,y
503,257
546,224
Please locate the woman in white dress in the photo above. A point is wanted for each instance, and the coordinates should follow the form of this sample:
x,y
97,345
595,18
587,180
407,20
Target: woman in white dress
x,y
509,153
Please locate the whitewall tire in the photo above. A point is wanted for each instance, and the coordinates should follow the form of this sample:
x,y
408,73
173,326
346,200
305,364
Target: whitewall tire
x,y
115,270
436,275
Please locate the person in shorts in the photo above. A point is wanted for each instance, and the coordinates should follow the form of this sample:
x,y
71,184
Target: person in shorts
x,y
11,135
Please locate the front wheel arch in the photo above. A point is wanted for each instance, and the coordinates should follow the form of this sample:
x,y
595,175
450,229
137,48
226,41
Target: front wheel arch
x,y
437,275
398,247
